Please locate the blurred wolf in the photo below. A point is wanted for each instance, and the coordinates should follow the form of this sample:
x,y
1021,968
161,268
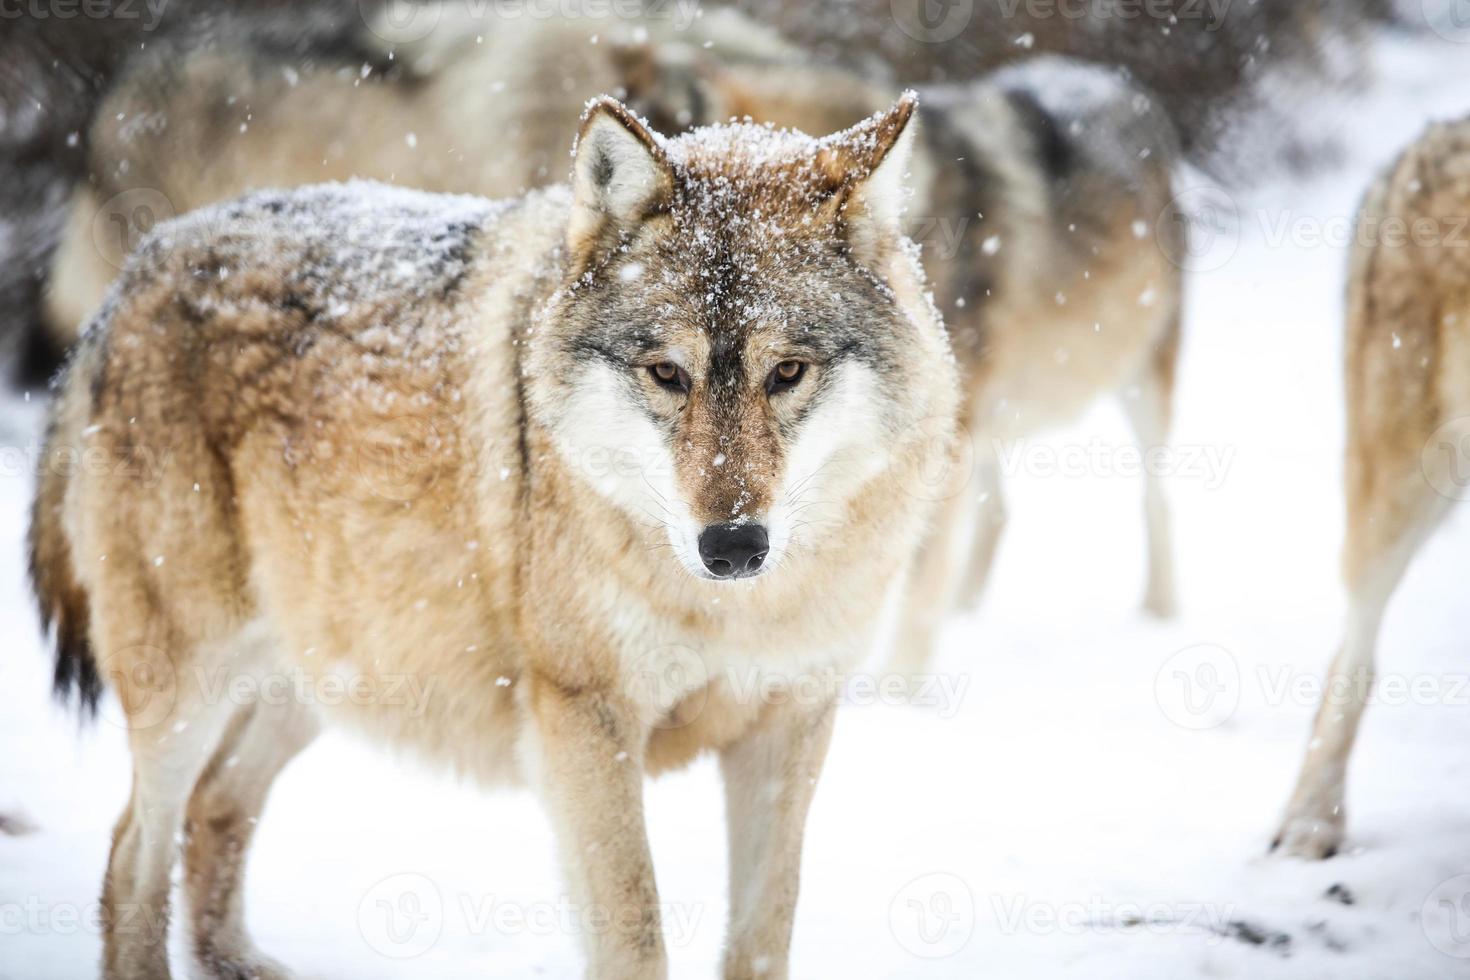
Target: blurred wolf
x,y
1043,201
1207,61
454,110
648,446
56,67
1067,286
1408,435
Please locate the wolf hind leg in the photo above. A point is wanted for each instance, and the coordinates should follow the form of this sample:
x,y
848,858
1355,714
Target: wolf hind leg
x,y
172,731
1151,415
220,823
990,522
1392,510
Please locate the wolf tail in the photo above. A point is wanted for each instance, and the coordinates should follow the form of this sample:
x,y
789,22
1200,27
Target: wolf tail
x,y
60,596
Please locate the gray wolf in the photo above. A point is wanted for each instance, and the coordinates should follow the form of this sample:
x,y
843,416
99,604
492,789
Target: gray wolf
x,y
583,464
1407,375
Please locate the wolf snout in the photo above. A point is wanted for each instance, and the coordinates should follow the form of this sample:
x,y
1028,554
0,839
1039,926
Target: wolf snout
x,y
734,550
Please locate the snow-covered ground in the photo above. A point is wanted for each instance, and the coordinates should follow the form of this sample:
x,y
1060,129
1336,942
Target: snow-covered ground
x,y
1098,769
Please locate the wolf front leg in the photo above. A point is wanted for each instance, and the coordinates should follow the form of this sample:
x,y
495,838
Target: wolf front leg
x,y
589,745
770,778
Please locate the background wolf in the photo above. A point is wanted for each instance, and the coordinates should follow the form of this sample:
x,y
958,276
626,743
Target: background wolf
x,y
1408,434
1043,201
712,360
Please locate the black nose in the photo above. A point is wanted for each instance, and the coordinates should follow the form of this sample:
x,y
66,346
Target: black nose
x,y
733,550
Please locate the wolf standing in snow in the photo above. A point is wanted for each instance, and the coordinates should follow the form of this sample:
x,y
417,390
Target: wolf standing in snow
x,y
592,459
1408,435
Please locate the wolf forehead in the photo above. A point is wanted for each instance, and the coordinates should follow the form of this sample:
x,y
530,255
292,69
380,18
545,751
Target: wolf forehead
x,y
749,252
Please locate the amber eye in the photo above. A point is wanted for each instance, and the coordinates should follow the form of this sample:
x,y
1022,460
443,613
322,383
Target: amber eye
x,y
670,376
785,376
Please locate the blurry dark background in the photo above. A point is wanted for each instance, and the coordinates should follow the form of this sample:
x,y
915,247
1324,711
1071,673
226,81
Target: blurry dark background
x,y
1209,65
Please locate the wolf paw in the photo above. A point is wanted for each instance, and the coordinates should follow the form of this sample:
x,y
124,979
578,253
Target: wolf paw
x,y
238,966
1309,837
1160,602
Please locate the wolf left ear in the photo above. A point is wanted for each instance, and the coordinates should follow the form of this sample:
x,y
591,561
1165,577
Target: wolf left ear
x,y
871,163
620,177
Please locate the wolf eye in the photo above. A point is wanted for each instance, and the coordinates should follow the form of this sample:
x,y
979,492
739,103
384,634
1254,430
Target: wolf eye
x,y
670,376
785,376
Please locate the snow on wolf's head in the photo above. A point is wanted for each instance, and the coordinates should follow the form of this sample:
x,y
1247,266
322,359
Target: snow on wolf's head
x,y
737,345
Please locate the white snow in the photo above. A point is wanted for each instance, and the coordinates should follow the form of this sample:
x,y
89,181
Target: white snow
x,y
1070,792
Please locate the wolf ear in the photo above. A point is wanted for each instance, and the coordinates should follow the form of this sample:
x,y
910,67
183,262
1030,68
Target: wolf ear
x,y
620,177
871,162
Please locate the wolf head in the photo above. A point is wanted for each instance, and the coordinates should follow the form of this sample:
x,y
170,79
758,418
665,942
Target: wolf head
x,y
737,346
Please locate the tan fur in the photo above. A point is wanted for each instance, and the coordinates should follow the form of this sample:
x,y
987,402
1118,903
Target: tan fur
x,y
377,474
1408,416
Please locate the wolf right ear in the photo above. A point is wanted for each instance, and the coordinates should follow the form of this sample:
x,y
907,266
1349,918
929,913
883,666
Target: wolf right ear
x,y
620,177
870,163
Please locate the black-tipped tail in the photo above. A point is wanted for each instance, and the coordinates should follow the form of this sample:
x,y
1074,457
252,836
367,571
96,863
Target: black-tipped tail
x,y
60,597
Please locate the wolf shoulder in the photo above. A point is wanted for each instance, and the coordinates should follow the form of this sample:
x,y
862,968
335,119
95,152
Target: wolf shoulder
x,y
382,271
